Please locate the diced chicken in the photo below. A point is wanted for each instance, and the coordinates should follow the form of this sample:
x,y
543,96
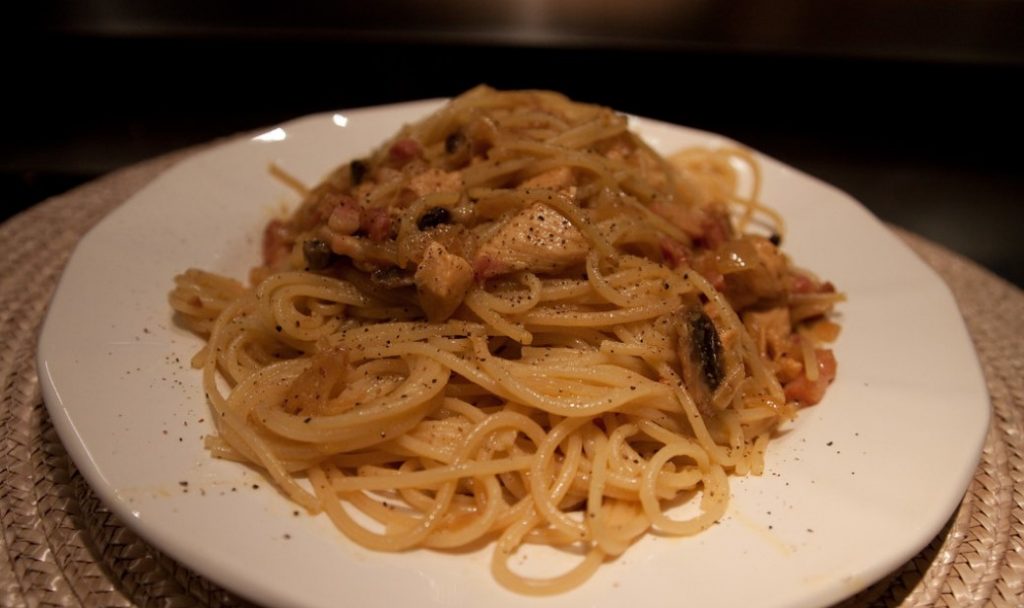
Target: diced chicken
x,y
442,280
705,263
758,271
538,239
435,180
808,392
770,329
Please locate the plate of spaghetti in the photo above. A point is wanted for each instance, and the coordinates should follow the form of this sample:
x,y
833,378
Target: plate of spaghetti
x,y
511,346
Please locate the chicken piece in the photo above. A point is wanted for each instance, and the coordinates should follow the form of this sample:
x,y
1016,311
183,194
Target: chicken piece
x,y
770,328
538,239
772,332
754,269
435,180
705,262
442,280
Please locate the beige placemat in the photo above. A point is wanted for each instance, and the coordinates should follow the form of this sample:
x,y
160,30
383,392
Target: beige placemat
x,y
61,547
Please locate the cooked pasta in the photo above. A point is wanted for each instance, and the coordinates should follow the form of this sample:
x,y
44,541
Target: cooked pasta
x,y
515,323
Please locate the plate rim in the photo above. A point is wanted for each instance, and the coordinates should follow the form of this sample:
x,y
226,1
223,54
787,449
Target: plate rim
x,y
83,461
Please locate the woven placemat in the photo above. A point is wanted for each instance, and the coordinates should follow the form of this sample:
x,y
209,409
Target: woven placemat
x,y
61,547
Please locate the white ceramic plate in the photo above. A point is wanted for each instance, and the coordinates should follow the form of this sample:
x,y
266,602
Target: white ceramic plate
x,y
853,489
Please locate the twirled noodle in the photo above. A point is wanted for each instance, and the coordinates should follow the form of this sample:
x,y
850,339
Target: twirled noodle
x,y
515,322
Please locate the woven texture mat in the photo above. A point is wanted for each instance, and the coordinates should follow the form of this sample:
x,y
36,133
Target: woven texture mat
x,y
61,547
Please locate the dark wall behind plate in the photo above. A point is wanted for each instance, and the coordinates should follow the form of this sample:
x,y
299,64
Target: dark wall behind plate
x,y
912,107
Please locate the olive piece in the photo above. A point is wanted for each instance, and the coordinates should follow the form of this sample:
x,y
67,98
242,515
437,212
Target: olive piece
x,y
434,217
453,142
708,349
318,254
358,170
391,277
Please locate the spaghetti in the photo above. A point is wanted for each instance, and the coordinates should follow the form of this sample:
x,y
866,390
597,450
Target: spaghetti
x,y
514,322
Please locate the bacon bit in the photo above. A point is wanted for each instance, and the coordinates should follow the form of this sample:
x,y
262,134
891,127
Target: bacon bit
x,y
715,229
808,392
673,252
714,277
404,150
276,242
485,267
802,284
376,222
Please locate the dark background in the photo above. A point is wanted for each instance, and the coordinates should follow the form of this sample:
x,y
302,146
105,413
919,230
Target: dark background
x,y
911,106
